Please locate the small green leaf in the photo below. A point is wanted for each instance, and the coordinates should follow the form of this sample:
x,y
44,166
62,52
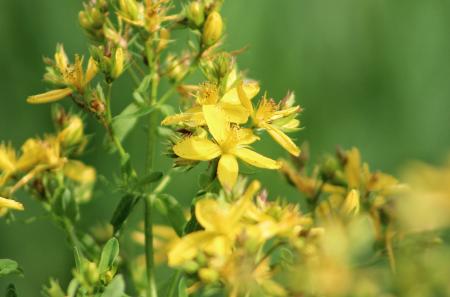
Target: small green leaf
x,y
64,204
8,267
109,255
182,289
11,291
78,259
116,288
123,210
123,123
149,178
140,112
174,212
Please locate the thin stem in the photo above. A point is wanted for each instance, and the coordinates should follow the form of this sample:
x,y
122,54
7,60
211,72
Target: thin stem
x,y
151,146
173,284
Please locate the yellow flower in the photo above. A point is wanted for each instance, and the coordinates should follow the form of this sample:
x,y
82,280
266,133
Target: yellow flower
x,y
164,239
208,95
6,204
230,143
8,162
63,73
273,118
221,223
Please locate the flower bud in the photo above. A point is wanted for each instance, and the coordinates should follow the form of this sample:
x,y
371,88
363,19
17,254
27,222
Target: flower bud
x,y
195,14
73,133
118,63
164,38
176,69
351,203
129,9
208,275
212,30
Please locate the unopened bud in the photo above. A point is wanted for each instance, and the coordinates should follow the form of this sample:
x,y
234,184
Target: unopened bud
x,y
73,133
351,203
164,38
195,14
118,63
129,9
208,275
213,28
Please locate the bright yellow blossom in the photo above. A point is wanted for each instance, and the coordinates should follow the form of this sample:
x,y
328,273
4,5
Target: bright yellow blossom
x,y
274,119
221,223
208,96
230,143
62,73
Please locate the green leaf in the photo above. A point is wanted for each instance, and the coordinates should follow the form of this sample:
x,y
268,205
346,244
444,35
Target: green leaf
x,y
116,288
141,111
149,178
124,122
174,212
109,255
11,291
78,259
8,267
182,289
123,210
64,204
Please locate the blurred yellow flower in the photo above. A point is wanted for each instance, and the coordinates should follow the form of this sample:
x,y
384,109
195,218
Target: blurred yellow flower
x,y
221,223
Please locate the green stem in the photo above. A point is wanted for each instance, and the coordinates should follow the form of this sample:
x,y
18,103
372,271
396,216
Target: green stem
x,y
173,284
151,146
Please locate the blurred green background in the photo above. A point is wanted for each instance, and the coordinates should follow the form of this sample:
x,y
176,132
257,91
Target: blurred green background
x,y
373,74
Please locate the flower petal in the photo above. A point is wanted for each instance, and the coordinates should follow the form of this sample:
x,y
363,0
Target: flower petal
x,y
187,247
251,89
227,171
91,70
212,214
10,204
50,96
217,122
246,136
255,159
235,113
282,139
196,148
244,98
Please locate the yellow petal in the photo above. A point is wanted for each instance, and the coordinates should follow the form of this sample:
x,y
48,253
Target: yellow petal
x,y
212,214
243,204
235,113
353,168
246,136
10,204
250,88
217,122
227,171
196,148
193,116
50,96
244,98
91,70
255,159
282,139
187,248
351,203
285,112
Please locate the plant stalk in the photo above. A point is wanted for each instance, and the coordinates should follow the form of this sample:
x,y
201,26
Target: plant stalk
x,y
148,201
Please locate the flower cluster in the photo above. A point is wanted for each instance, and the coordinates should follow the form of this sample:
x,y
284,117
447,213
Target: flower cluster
x,y
222,124
42,161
